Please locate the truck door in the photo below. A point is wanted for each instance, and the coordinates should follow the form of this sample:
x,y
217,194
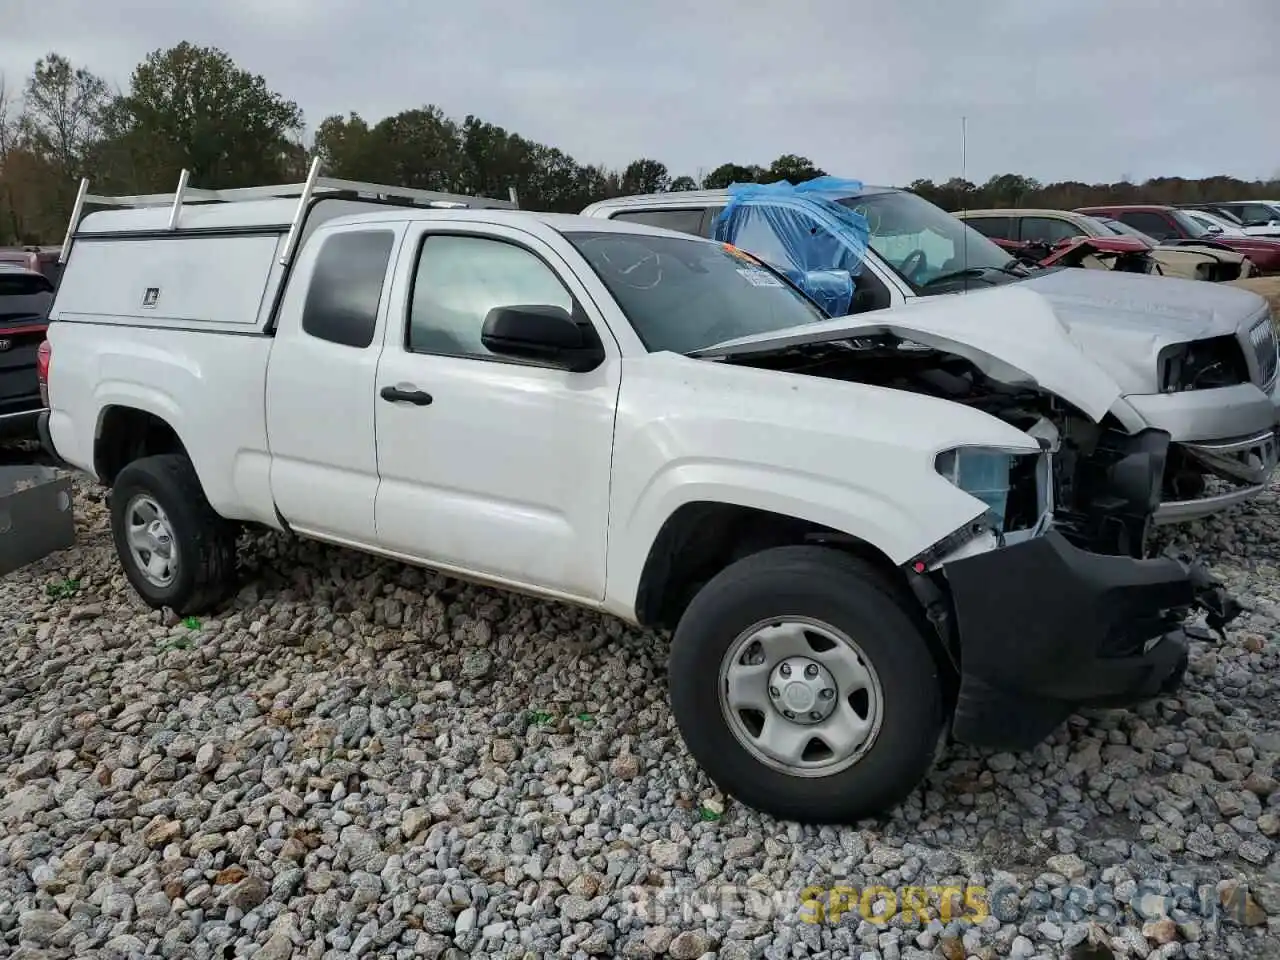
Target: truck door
x,y
320,382
492,467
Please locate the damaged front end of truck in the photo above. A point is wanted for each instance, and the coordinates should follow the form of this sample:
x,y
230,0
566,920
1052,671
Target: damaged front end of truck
x,y
1041,601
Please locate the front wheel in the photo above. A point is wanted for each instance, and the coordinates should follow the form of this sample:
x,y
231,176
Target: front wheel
x,y
804,688
175,550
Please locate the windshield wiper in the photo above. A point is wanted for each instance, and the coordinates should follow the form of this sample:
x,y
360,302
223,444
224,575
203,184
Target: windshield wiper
x,y
968,273
1016,268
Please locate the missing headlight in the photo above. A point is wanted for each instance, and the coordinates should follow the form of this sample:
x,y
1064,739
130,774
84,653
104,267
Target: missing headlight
x,y
1015,487
1203,365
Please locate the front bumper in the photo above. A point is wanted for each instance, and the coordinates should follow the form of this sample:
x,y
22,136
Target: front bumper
x,y
1044,628
1248,462
1229,432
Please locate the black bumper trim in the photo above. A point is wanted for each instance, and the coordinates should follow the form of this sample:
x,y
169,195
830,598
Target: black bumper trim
x,y
1045,627
46,440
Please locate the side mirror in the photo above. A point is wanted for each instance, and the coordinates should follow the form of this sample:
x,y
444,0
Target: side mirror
x,y
541,332
832,289
1213,229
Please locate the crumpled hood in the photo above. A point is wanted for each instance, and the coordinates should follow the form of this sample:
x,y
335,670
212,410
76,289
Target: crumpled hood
x,y
1122,320
1010,333
1087,336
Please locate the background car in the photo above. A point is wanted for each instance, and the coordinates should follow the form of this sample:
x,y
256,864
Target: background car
x,y
1015,228
40,259
1223,224
1258,218
1171,225
25,298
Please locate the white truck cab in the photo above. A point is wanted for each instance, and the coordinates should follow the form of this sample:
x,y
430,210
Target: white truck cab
x,y
554,404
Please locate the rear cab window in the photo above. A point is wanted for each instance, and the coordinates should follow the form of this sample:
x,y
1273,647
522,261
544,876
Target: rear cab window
x,y
346,287
686,220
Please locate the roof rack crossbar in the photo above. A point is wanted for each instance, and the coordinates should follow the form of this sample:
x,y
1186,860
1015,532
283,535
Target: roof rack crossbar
x,y
315,185
321,185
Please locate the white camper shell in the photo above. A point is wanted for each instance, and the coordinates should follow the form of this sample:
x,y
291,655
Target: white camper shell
x,y
238,285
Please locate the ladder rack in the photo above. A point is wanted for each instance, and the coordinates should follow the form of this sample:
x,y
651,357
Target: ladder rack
x,y
314,186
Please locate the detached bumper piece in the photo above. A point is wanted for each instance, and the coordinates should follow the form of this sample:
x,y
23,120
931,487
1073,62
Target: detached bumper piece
x,y
1045,628
35,515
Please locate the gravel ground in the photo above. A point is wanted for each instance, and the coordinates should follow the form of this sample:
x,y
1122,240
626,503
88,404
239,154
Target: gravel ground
x,y
358,758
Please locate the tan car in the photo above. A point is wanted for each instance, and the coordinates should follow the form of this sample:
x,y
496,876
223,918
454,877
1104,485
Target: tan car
x,y
1021,226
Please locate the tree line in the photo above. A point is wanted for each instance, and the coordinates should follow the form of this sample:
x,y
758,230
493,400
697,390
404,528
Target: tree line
x,y
193,107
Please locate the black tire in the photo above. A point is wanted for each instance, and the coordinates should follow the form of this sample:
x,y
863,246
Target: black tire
x,y
834,588
206,543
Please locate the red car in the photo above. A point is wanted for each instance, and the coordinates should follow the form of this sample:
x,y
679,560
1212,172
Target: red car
x,y
1171,225
1123,254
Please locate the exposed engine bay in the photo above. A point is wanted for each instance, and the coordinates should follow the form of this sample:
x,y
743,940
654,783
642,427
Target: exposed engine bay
x,y
1107,483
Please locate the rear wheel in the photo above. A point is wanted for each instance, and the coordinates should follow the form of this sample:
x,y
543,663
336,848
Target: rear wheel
x,y
805,688
175,550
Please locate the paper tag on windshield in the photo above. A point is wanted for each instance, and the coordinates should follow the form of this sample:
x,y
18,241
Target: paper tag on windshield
x,y
759,278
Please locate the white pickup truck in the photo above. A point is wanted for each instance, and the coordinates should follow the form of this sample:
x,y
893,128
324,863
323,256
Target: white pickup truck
x,y
518,398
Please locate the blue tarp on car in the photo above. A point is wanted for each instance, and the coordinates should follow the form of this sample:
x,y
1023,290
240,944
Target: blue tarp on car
x,y
775,222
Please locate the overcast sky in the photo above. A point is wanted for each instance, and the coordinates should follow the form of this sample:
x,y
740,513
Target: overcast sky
x,y
1055,89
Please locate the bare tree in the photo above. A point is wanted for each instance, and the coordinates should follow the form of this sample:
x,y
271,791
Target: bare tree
x,y
62,113
8,122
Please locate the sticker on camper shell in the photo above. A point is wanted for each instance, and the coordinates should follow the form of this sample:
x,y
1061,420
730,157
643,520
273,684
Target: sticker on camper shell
x,y
150,296
759,278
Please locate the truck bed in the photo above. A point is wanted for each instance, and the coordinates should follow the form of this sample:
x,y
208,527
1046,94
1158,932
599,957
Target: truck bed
x,y
210,385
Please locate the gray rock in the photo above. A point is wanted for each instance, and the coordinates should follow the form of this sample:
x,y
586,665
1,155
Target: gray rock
x,y
37,927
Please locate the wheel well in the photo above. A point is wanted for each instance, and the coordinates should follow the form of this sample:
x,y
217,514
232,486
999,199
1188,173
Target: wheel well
x,y
126,434
701,539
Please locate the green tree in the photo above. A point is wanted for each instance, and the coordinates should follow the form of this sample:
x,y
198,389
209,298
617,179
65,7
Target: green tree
x,y
193,107
683,183
791,168
728,173
1008,190
645,176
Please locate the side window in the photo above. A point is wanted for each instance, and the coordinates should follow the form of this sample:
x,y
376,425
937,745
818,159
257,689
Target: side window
x,y
342,301
1048,230
994,228
1151,223
709,221
754,233
460,279
682,221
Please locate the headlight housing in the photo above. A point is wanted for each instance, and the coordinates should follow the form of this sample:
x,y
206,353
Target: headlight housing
x,y
980,472
1202,365
1016,486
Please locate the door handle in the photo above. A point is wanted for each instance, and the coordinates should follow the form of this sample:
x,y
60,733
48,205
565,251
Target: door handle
x,y
407,393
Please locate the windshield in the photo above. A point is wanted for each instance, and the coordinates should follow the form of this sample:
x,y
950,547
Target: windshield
x,y
1190,225
1256,214
927,247
686,294
1124,230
